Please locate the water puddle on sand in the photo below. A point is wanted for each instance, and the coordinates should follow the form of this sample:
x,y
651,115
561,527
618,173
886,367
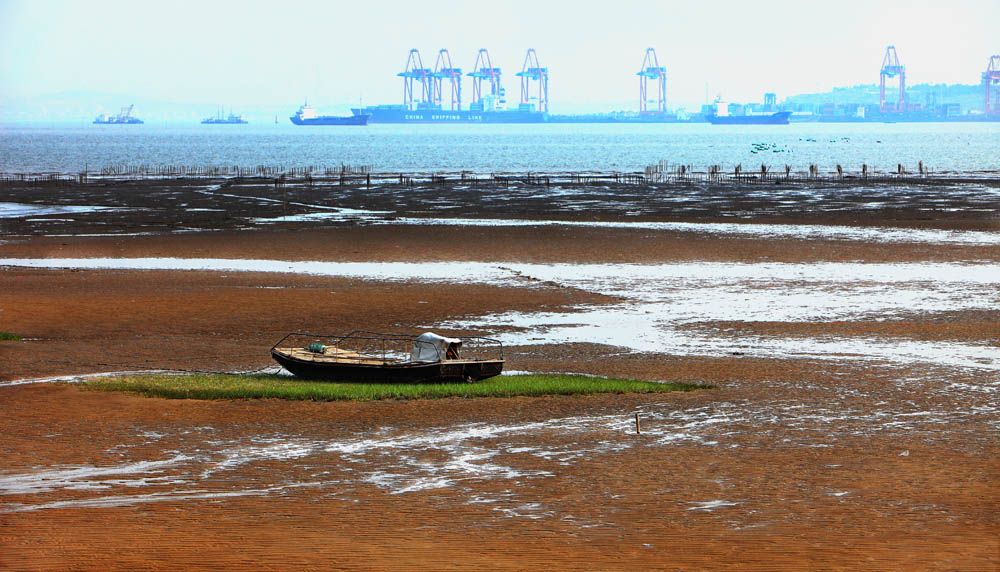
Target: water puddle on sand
x,y
19,210
460,460
748,230
661,300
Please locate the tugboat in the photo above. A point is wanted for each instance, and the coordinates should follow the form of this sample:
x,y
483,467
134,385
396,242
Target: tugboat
x,y
306,115
233,119
125,117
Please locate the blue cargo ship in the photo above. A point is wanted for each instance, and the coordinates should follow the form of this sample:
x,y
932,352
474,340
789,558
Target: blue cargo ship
x,y
306,115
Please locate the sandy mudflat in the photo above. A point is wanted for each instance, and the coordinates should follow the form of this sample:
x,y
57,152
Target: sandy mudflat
x,y
798,461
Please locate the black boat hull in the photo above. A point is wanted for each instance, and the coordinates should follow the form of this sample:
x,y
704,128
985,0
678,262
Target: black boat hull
x,y
442,371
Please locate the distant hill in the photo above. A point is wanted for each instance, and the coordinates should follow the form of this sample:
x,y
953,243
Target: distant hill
x,y
970,97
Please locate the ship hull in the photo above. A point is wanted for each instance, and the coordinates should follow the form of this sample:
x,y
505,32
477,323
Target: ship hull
x,y
780,118
331,120
399,114
434,372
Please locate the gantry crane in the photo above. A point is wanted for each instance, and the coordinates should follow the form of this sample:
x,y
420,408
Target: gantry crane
x,y
484,71
415,70
991,77
891,68
652,70
443,70
532,71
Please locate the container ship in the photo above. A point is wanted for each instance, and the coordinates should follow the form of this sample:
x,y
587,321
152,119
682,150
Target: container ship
x,y
779,118
232,119
125,117
486,112
306,115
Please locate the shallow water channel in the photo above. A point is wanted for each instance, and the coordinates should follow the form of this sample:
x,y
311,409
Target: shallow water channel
x,y
670,308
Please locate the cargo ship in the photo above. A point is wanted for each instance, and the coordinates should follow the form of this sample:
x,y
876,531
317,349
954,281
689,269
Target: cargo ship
x,y
779,118
220,120
492,109
402,114
124,117
306,115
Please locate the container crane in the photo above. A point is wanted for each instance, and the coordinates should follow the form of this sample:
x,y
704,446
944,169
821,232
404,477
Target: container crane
x,y
651,70
991,77
891,68
415,70
443,70
532,71
484,71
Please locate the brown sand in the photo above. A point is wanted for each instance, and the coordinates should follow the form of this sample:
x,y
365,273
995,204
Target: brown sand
x,y
848,491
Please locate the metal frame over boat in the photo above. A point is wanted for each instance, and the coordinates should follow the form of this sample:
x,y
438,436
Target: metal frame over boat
x,y
372,357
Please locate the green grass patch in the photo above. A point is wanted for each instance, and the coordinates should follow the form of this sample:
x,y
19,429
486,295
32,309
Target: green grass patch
x,y
264,386
7,336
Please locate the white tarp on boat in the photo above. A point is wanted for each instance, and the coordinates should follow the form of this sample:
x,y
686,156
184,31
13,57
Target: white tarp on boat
x,y
432,347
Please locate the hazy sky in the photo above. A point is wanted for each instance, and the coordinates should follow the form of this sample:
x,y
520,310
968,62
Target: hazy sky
x,y
245,53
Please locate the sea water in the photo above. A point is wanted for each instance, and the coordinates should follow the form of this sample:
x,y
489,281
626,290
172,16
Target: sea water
x,y
70,148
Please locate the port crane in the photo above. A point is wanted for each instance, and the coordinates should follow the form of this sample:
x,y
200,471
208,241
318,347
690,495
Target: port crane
x,y
991,77
891,68
484,71
652,70
532,71
443,70
415,70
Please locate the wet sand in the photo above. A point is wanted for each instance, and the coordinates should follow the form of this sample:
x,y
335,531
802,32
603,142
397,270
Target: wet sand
x,y
788,464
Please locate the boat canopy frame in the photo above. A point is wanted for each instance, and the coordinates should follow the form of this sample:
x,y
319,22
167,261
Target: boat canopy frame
x,y
364,347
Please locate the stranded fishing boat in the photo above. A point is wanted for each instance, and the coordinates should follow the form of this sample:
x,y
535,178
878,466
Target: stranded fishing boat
x,y
372,357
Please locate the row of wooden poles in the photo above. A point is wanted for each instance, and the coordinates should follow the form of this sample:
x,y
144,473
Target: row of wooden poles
x,y
661,172
125,170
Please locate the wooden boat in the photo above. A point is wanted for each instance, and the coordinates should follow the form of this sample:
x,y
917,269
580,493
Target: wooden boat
x,y
371,357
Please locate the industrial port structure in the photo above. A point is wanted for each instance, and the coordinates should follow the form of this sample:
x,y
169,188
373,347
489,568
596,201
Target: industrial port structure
x,y
487,89
427,90
991,86
891,68
424,87
652,70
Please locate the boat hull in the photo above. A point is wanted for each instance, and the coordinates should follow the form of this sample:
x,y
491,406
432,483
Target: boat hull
x,y
442,371
331,120
780,118
399,114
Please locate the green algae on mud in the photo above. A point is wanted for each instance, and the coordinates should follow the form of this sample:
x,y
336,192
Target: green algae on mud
x,y
269,386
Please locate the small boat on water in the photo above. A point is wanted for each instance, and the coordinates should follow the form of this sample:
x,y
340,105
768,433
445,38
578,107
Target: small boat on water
x,y
233,119
371,357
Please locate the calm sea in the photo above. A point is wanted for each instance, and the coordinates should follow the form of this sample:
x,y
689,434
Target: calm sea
x,y
488,148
